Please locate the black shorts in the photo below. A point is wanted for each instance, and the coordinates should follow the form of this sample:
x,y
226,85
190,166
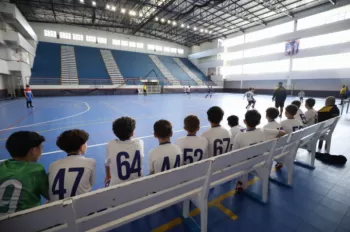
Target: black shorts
x,y
251,102
144,91
279,104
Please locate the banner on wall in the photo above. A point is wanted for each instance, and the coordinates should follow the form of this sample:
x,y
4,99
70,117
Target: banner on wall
x,y
292,47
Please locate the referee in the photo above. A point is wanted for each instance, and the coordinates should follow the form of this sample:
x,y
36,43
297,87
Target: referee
x,y
279,96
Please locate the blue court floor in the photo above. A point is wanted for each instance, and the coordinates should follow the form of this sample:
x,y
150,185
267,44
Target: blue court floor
x,y
318,201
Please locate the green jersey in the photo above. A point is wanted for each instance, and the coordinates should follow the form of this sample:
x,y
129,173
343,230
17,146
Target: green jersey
x,y
21,185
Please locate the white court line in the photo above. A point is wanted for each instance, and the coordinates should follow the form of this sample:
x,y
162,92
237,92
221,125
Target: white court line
x,y
103,144
8,103
54,120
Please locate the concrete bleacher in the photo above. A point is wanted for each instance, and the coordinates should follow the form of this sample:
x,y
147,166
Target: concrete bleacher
x,y
112,207
136,65
176,71
90,65
47,64
194,69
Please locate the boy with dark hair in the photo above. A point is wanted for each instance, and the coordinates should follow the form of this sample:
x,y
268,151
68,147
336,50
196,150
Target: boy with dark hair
x,y
167,155
250,98
233,122
253,135
123,150
74,174
22,180
194,148
291,124
219,138
300,114
311,113
29,96
271,115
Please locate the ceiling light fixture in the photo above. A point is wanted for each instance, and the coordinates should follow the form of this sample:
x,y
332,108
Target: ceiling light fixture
x,y
195,28
108,7
182,25
140,14
156,18
162,20
169,21
123,11
81,1
188,27
201,30
174,23
93,3
132,13
114,8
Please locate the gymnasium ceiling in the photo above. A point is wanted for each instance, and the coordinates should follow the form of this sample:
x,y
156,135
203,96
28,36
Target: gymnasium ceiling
x,y
186,22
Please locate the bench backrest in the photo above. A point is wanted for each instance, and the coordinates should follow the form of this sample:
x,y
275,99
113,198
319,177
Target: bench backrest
x,y
232,164
56,216
329,126
112,207
288,145
311,133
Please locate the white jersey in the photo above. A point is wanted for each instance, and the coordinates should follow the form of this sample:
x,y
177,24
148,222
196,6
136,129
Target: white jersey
x,y
219,139
301,117
164,157
291,125
194,148
71,176
251,137
273,125
249,95
125,159
235,130
301,94
311,117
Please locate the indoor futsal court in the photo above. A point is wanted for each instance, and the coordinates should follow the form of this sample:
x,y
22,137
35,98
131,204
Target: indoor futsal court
x,y
318,201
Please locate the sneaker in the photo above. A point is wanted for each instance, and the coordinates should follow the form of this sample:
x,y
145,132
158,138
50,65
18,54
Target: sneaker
x,y
280,115
239,187
278,166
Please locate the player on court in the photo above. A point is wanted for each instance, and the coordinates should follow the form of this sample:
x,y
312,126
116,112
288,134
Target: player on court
x,y
29,96
124,149
194,148
291,124
301,96
253,136
250,98
22,180
279,96
167,155
74,174
210,91
219,138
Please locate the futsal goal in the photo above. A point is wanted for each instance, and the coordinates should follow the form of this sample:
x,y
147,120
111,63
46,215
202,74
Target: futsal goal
x,y
153,86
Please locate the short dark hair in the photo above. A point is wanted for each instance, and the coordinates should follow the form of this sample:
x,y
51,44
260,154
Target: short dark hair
x,y
215,114
71,141
310,102
20,143
191,123
233,120
252,118
124,127
250,88
292,109
27,86
272,113
297,103
163,129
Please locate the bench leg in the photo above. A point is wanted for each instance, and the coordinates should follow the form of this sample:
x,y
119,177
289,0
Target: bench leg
x,y
204,216
186,208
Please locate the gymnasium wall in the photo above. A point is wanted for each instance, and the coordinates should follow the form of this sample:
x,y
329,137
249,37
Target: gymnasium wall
x,y
3,91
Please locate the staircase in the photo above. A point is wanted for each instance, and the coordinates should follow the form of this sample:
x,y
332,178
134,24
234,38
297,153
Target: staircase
x,y
188,71
164,70
69,74
112,67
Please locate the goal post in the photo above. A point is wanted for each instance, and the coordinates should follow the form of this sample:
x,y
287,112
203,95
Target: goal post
x,y
153,86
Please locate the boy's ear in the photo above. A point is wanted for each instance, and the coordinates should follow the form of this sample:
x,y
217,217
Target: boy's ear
x,y
171,134
132,134
245,122
155,136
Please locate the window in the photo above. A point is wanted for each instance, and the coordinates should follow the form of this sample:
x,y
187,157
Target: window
x,y
150,47
173,50
231,70
102,40
267,67
166,49
324,40
125,43
158,48
65,35
78,37
266,50
337,61
139,45
327,17
234,41
132,44
49,33
233,55
90,38
180,51
270,32
116,42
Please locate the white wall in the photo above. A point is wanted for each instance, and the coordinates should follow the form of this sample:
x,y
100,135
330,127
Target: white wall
x,y
2,82
40,27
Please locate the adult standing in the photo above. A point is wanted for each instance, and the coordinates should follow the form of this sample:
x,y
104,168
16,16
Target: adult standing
x,y
279,96
342,94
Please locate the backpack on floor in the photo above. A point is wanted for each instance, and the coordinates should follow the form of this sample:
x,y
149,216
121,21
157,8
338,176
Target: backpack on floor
x,y
331,159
